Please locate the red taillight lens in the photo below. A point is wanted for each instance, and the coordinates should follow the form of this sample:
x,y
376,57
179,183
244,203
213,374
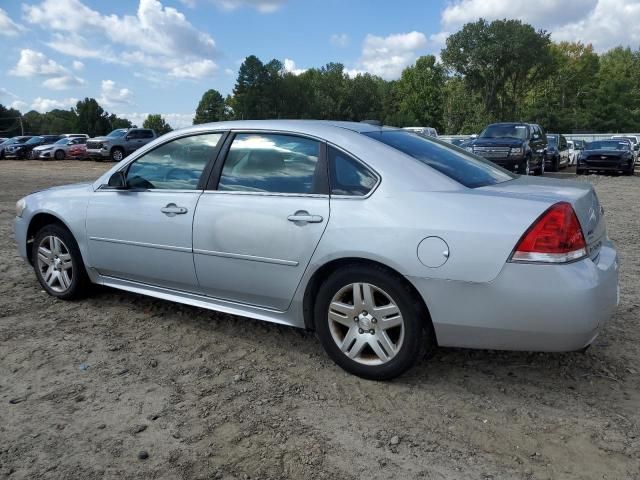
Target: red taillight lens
x,y
556,237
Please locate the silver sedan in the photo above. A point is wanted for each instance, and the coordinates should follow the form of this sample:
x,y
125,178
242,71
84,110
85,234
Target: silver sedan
x,y
383,242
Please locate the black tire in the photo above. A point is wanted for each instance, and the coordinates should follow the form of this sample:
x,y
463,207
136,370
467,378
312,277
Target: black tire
x,y
79,280
527,163
59,155
418,331
555,164
117,154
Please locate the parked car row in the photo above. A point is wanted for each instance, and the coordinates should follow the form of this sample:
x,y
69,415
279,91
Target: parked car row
x,y
527,149
115,146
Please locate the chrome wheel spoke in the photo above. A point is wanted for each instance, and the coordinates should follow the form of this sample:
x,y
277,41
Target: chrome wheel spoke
x,y
55,245
342,308
50,276
63,278
378,350
45,256
385,342
347,321
348,340
357,347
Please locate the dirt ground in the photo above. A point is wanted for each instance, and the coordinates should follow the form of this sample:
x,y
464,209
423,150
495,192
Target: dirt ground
x,y
86,386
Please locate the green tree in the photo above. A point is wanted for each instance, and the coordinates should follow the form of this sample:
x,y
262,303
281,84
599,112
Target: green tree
x,y
156,122
211,108
91,118
500,61
249,89
9,122
421,93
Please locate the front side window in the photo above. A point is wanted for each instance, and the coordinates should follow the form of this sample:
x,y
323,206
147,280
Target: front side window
x,y
176,165
468,170
348,176
146,134
274,163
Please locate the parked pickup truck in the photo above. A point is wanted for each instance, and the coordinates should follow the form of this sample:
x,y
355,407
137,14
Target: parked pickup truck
x,y
119,143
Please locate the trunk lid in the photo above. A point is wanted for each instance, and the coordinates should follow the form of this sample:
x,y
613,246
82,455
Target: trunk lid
x,y
580,195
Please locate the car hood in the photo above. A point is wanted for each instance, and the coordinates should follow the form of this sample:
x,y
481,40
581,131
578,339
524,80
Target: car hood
x,y
98,139
497,142
43,147
608,153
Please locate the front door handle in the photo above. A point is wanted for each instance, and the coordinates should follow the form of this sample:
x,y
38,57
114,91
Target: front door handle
x,y
302,216
171,210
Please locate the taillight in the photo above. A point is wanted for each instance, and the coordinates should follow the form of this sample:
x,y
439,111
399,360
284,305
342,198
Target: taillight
x,y
555,237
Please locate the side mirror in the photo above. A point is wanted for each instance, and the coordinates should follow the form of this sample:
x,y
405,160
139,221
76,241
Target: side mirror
x,y
118,180
127,137
536,136
637,147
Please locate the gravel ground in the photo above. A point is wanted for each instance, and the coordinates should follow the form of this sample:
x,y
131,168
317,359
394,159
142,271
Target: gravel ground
x,y
123,386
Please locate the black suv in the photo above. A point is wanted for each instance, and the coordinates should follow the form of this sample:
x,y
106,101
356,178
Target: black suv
x,y
519,147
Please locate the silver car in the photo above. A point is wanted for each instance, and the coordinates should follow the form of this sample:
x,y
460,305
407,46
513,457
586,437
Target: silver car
x,y
383,242
59,149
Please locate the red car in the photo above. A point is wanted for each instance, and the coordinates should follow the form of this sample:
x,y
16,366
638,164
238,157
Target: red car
x,y
78,151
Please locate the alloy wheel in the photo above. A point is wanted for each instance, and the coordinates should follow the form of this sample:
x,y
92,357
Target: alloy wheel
x,y
527,167
366,324
54,263
116,155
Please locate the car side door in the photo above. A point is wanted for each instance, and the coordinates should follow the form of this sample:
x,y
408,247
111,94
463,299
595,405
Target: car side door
x,y
143,232
261,218
564,150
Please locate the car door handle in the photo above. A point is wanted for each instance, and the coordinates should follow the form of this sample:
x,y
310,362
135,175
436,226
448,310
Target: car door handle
x,y
302,216
172,210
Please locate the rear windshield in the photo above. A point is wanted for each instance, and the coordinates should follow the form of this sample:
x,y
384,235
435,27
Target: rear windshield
x,y
455,163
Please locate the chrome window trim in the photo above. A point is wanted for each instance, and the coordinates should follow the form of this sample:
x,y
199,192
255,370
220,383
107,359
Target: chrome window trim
x,y
266,194
107,188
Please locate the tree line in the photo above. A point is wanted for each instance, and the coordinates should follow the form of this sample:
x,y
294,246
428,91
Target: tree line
x,y
503,70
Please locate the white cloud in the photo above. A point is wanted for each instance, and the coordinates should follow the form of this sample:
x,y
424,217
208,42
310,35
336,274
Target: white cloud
x,y
603,23
78,65
289,66
46,104
339,40
176,120
611,23
111,95
194,70
36,64
32,63
229,71
18,105
263,6
156,36
8,27
63,83
388,56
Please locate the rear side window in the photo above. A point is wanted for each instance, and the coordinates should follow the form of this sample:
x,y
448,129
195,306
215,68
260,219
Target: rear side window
x,y
466,169
146,134
274,163
348,176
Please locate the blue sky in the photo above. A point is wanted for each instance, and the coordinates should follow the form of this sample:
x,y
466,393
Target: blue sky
x,y
159,56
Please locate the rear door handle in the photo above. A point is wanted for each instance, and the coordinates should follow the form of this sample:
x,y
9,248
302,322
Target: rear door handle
x,y
302,216
171,210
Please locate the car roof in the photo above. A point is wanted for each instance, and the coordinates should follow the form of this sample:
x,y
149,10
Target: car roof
x,y
317,127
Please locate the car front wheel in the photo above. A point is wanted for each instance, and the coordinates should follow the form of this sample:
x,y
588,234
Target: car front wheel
x,y
117,154
58,263
59,155
370,322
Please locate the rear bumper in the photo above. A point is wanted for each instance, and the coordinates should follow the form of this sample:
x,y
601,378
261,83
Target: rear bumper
x,y
527,307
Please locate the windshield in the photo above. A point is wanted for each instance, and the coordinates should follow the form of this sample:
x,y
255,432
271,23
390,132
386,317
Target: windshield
x,y
455,163
505,131
117,133
632,139
608,145
553,140
35,140
62,141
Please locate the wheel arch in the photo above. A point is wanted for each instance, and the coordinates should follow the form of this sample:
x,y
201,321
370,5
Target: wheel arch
x,y
314,283
37,222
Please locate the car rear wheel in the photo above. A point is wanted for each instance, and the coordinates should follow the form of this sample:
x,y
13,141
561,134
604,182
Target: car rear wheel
x,y
526,170
117,154
58,263
59,155
370,322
